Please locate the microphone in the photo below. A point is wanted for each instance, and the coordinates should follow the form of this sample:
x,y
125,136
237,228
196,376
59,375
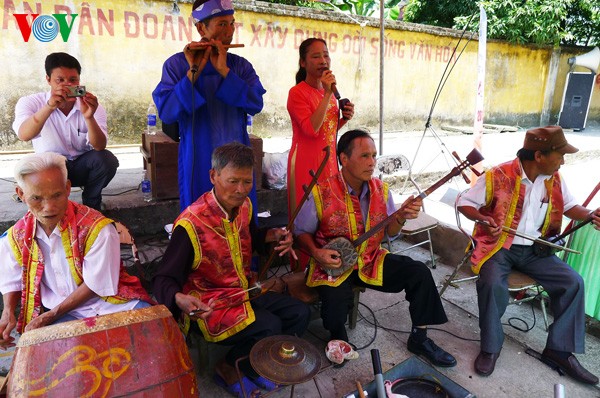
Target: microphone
x,y
334,90
336,93
194,68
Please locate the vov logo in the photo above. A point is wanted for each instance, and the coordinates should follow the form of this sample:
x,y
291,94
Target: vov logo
x,y
45,28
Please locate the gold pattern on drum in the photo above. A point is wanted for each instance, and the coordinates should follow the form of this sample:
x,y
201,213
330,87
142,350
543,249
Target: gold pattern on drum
x,y
101,369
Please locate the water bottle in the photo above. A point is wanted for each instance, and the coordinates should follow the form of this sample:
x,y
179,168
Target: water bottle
x,y
146,187
249,124
151,120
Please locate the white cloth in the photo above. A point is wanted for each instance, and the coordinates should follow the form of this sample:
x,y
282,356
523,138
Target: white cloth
x,y
534,204
66,135
101,268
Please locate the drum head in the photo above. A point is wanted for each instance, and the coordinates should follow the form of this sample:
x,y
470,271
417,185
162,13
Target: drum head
x,y
422,388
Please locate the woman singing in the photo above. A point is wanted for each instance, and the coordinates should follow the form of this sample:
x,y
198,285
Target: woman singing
x,y
314,111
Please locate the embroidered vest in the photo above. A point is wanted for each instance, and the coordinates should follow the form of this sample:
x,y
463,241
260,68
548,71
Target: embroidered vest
x,y
504,202
221,265
339,214
79,229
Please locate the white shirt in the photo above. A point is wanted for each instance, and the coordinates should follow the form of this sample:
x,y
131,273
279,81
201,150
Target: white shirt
x,y
535,204
66,135
101,266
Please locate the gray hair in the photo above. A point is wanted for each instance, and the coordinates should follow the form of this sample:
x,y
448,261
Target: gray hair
x,y
36,162
238,155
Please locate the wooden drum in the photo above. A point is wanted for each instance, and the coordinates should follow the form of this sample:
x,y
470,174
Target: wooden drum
x,y
130,353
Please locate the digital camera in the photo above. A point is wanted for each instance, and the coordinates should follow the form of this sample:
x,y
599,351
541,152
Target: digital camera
x,y
76,91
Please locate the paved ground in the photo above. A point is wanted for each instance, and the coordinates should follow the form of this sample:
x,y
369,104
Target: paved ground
x,y
517,374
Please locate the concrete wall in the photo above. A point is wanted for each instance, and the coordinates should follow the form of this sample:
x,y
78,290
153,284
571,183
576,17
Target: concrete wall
x,y
122,45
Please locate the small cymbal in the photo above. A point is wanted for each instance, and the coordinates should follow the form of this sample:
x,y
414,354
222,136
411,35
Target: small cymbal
x,y
285,359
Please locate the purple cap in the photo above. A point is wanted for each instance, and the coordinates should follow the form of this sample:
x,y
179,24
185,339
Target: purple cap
x,y
212,8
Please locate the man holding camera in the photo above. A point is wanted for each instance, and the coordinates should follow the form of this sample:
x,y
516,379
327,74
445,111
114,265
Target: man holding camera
x,y
69,121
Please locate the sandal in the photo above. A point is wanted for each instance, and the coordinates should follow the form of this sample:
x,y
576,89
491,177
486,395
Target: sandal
x,y
265,383
235,389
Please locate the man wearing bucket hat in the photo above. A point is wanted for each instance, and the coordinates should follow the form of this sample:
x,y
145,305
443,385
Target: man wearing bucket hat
x,y
528,194
209,93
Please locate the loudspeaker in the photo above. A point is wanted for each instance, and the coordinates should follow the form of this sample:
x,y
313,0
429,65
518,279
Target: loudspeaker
x,y
576,100
589,60
578,91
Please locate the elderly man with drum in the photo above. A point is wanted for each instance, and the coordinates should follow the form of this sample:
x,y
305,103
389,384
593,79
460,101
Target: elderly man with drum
x,y
61,261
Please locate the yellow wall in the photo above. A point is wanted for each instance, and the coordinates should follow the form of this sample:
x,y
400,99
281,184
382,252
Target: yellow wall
x,y
122,45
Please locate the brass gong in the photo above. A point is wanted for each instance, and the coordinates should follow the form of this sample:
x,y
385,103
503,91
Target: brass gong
x,y
285,359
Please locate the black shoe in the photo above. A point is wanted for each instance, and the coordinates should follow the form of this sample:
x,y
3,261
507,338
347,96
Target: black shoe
x,y
570,366
432,352
485,363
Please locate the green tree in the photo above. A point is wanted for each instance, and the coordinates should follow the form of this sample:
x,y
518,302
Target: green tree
x,y
530,21
582,25
356,7
438,12
521,21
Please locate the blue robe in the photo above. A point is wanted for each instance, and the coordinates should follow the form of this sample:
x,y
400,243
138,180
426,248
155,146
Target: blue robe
x,y
221,106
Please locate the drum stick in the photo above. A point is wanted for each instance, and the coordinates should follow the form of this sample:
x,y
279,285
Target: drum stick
x,y
361,392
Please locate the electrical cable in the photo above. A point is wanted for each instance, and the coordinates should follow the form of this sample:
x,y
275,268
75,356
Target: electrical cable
x,y
123,192
527,328
376,324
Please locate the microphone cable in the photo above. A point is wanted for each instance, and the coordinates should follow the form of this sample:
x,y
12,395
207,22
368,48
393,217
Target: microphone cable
x,y
446,73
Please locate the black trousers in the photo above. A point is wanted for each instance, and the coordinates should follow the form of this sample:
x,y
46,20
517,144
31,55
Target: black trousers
x,y
275,314
399,273
93,171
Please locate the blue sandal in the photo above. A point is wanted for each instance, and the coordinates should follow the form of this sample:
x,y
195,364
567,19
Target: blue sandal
x,y
265,383
235,389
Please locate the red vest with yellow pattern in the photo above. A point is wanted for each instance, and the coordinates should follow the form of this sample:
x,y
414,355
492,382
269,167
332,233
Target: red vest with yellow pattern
x,y
221,265
79,229
504,196
339,214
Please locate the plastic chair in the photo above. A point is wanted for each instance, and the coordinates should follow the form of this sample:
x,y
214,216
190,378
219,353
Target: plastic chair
x,y
518,282
388,165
